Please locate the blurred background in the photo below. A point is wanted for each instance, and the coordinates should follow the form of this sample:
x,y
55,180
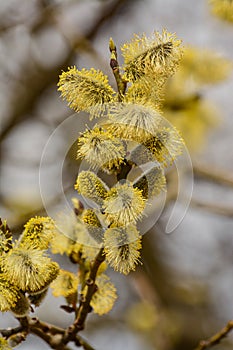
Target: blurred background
x,y
183,291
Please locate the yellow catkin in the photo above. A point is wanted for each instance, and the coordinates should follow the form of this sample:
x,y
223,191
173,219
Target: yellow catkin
x,y
93,225
9,294
166,145
4,344
122,248
68,235
151,182
157,55
29,269
124,204
105,296
85,89
65,284
38,231
89,185
134,121
101,149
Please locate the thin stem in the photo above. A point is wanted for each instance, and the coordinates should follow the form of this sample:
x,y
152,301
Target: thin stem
x,y
84,307
215,339
213,208
121,84
212,174
83,342
6,333
51,334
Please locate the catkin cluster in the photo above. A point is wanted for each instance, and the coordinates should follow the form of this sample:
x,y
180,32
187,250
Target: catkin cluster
x,y
133,134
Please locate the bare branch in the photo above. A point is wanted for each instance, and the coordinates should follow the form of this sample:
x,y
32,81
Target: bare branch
x,y
215,339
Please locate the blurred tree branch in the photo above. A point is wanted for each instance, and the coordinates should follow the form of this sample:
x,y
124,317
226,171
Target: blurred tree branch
x,y
210,173
213,207
38,79
216,339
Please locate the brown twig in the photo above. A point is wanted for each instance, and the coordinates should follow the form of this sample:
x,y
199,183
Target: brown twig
x,y
215,339
51,334
213,208
212,174
84,307
121,84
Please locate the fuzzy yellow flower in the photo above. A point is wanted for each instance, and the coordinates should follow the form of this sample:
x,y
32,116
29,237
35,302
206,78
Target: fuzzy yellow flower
x,y
122,248
9,294
101,149
4,344
92,222
151,182
124,204
29,269
67,235
146,92
89,185
72,237
38,231
166,145
105,296
140,155
157,55
66,284
5,243
85,90
5,237
133,121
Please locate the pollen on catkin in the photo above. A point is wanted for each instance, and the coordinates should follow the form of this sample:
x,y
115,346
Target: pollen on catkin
x,y
4,344
93,225
151,182
5,243
5,237
101,149
104,298
38,231
85,90
133,121
29,269
67,238
9,294
89,185
146,92
122,248
123,204
140,155
157,55
166,145
65,284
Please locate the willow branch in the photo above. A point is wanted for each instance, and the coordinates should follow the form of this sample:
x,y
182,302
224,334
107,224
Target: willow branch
x,y
121,84
213,208
51,334
84,307
209,173
216,339
6,333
